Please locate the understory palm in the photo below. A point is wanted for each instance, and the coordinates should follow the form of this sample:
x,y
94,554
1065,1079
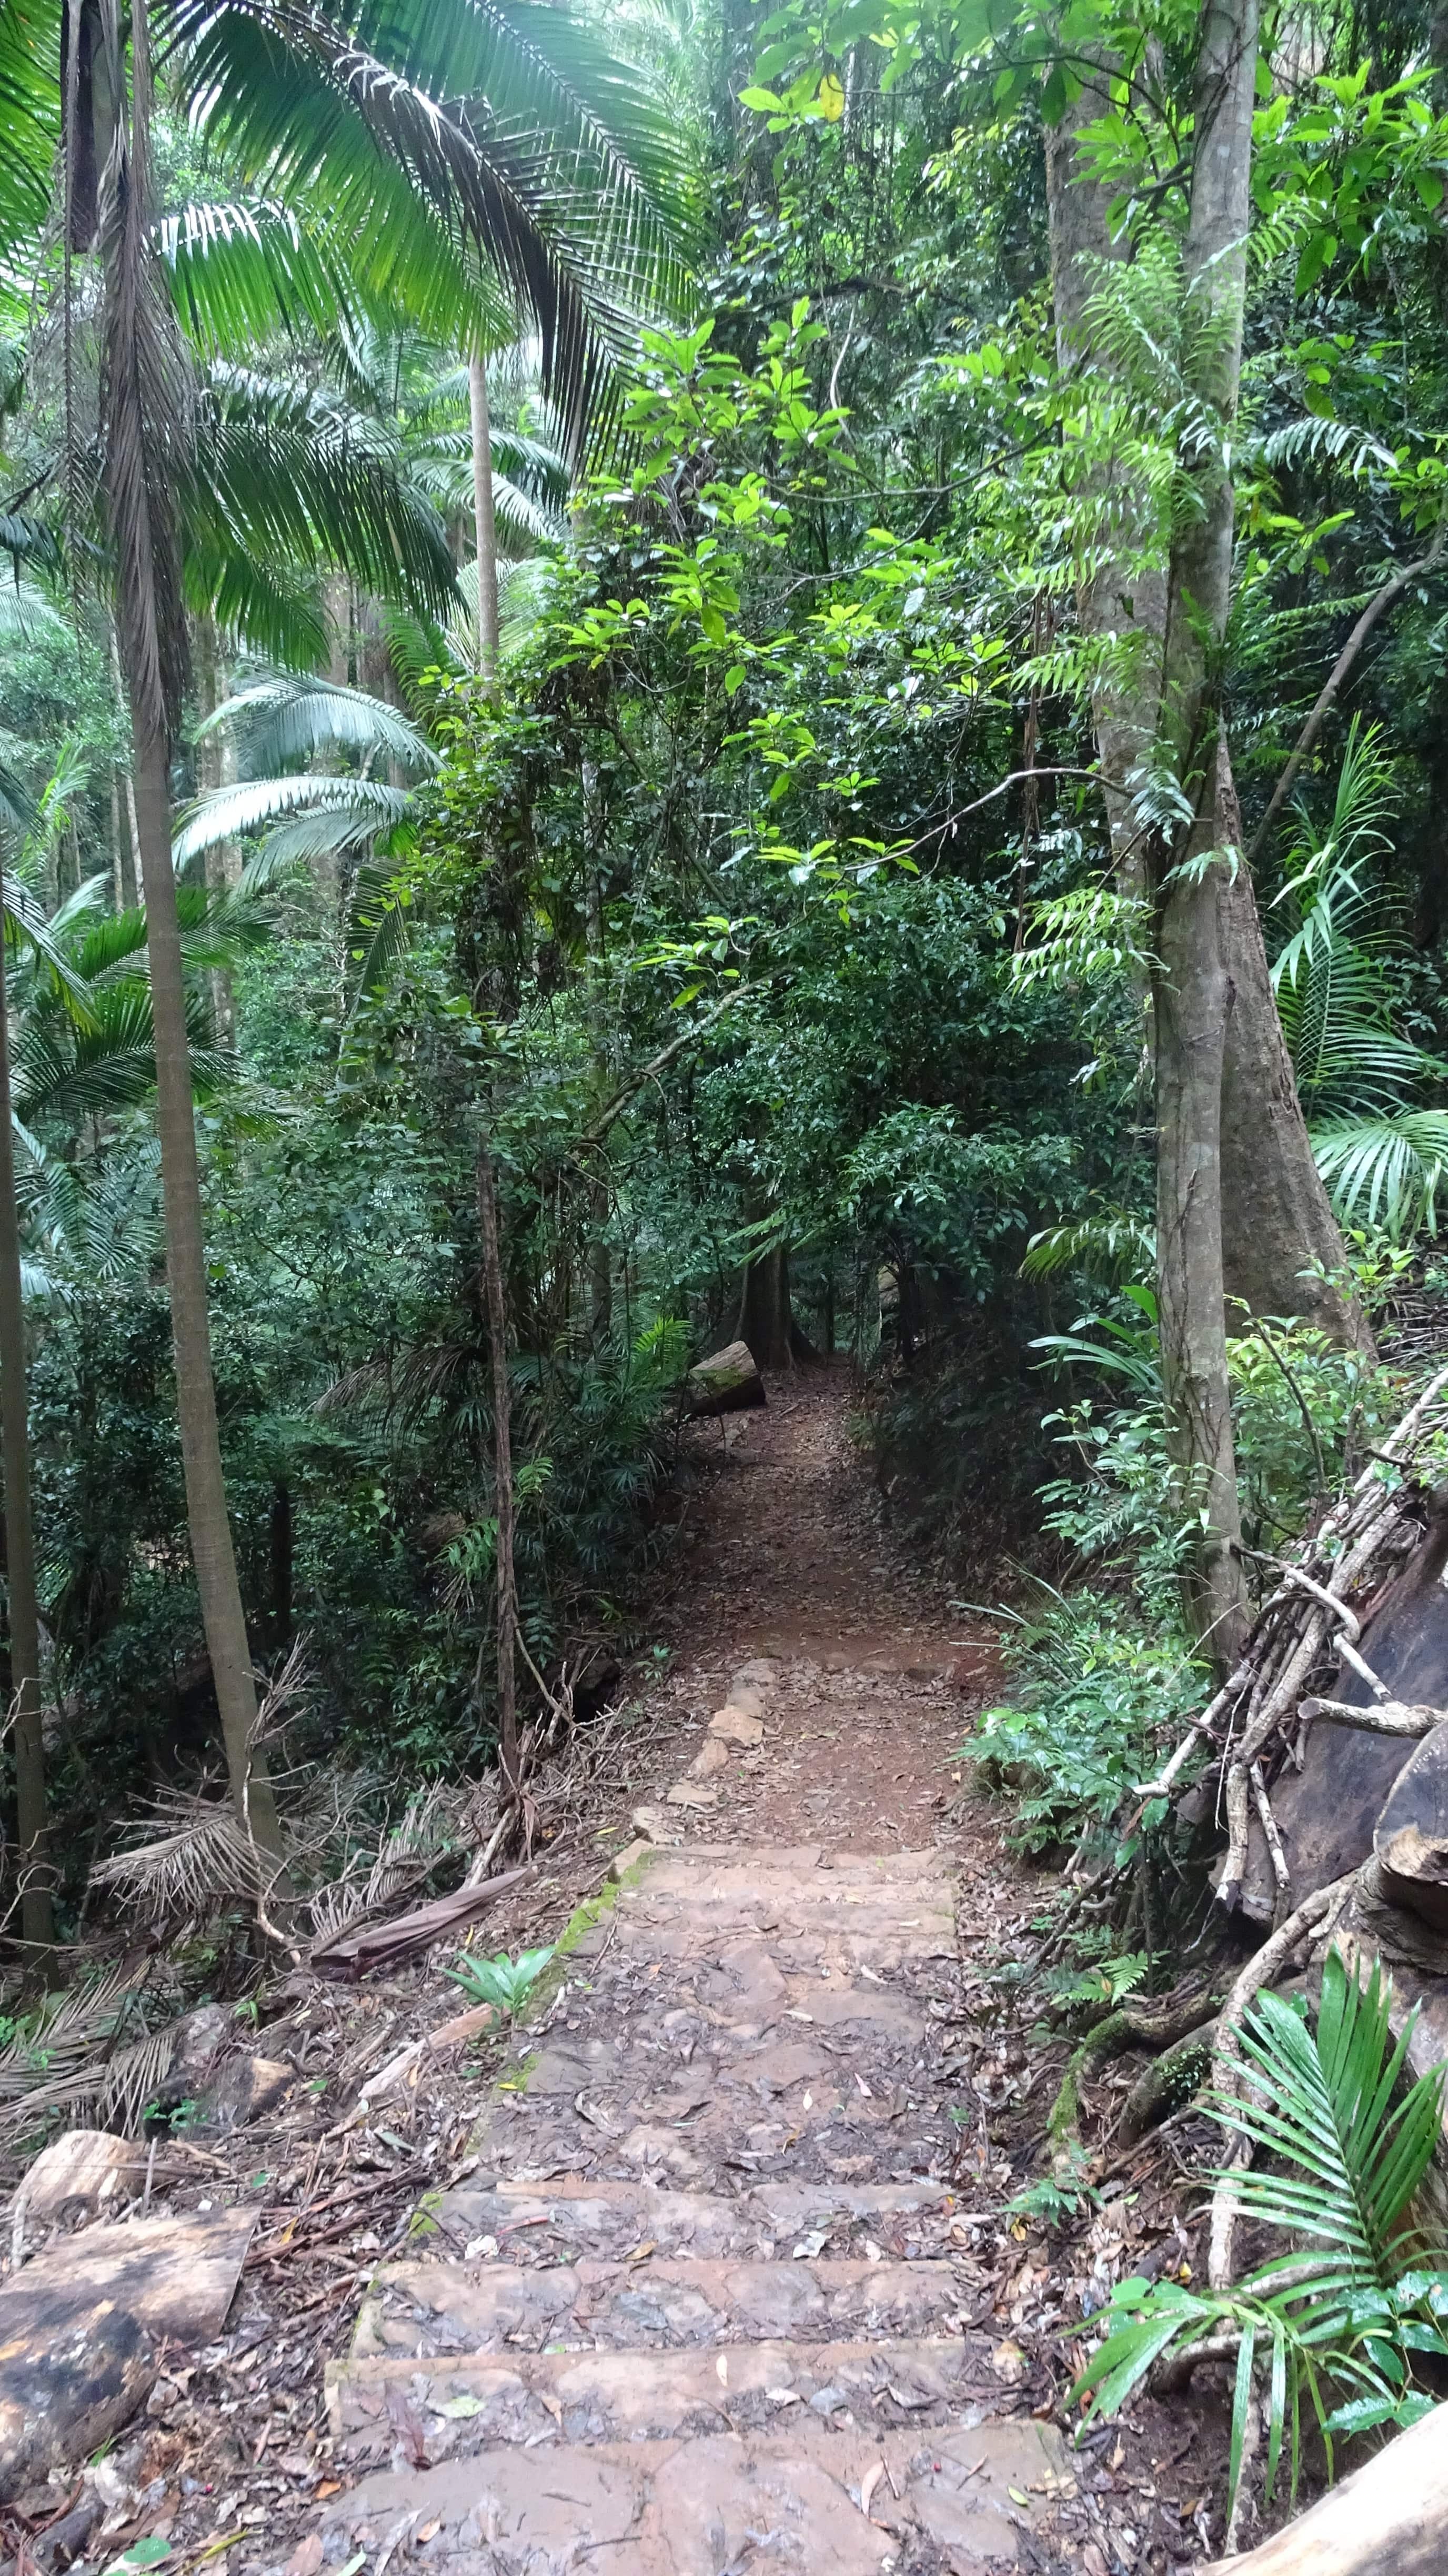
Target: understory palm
x,y
1381,1150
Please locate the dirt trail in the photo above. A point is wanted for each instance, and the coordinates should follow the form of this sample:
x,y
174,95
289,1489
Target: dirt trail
x,y
714,2271
714,2264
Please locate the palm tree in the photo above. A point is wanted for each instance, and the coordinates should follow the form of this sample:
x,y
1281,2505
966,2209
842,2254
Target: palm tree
x,y
1382,1151
431,160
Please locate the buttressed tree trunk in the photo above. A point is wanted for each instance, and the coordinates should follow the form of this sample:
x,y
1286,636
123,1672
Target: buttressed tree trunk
x,y
1279,1235
1191,873
143,414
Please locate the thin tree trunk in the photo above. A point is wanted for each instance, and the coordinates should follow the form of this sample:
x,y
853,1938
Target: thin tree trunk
x,y
1190,981
487,535
36,1909
502,1471
1279,1234
210,752
212,1552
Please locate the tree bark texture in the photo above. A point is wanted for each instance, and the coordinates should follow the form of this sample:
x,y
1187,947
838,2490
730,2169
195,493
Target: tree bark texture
x,y
36,1910
1277,1223
1190,986
1123,591
1282,1249
212,1552
487,535
502,1469
766,1312
222,869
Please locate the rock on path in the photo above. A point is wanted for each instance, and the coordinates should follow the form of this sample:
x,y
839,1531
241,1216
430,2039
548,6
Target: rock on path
x,y
700,2312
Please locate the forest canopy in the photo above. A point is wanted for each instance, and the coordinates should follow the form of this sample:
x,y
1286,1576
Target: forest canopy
x,y
697,671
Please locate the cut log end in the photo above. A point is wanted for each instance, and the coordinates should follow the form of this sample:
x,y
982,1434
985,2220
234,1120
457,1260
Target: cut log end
x,y
727,1382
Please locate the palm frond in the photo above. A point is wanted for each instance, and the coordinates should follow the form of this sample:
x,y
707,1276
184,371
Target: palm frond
x,y
364,806
1388,1170
278,718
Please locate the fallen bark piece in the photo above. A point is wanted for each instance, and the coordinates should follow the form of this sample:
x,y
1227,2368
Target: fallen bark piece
x,y
726,1382
1387,2519
353,1951
85,2167
80,2325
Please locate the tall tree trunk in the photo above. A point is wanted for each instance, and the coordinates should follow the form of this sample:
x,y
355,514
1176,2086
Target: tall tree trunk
x,y
36,1910
1278,1231
766,1313
502,1470
144,412
211,767
212,1552
487,534
1124,594
1190,981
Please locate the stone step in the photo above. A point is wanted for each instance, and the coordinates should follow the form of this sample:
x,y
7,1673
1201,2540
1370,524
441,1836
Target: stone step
x,y
803,2498
659,2303
558,2221
705,1873
474,2401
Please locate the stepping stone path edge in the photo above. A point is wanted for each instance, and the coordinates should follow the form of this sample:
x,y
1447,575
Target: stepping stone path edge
x,y
700,2311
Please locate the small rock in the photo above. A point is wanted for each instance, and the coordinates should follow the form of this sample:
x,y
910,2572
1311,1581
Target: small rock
x,y
711,1757
692,1793
736,1726
244,2090
762,1671
827,2401
746,1696
86,2167
627,1859
655,1826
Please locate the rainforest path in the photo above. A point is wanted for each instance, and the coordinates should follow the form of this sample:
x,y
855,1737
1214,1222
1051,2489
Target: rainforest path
x,y
708,2304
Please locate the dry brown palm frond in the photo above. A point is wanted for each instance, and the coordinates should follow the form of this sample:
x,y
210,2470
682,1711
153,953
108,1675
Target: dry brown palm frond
x,y
426,1832
204,1858
94,2052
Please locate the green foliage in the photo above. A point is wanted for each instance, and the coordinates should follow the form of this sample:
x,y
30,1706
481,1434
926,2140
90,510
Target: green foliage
x,y
503,1982
1097,1708
1346,2315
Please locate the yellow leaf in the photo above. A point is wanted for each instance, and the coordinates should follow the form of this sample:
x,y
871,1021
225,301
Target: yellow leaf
x,y
831,100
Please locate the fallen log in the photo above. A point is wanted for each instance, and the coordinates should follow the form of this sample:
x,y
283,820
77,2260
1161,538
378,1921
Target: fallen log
x,y
353,1951
1388,2519
727,1382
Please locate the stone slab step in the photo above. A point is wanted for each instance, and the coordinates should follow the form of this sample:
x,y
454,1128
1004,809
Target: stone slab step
x,y
558,2221
803,2500
476,2401
658,2303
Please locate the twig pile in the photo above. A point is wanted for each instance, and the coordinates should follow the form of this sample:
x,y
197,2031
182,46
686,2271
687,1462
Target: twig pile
x,y
1262,1715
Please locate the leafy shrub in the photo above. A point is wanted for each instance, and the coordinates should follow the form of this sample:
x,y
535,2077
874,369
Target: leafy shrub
x,y
1099,1704
1359,2306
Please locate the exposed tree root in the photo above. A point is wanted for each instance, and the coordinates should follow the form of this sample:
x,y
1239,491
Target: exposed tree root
x,y
1130,2025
